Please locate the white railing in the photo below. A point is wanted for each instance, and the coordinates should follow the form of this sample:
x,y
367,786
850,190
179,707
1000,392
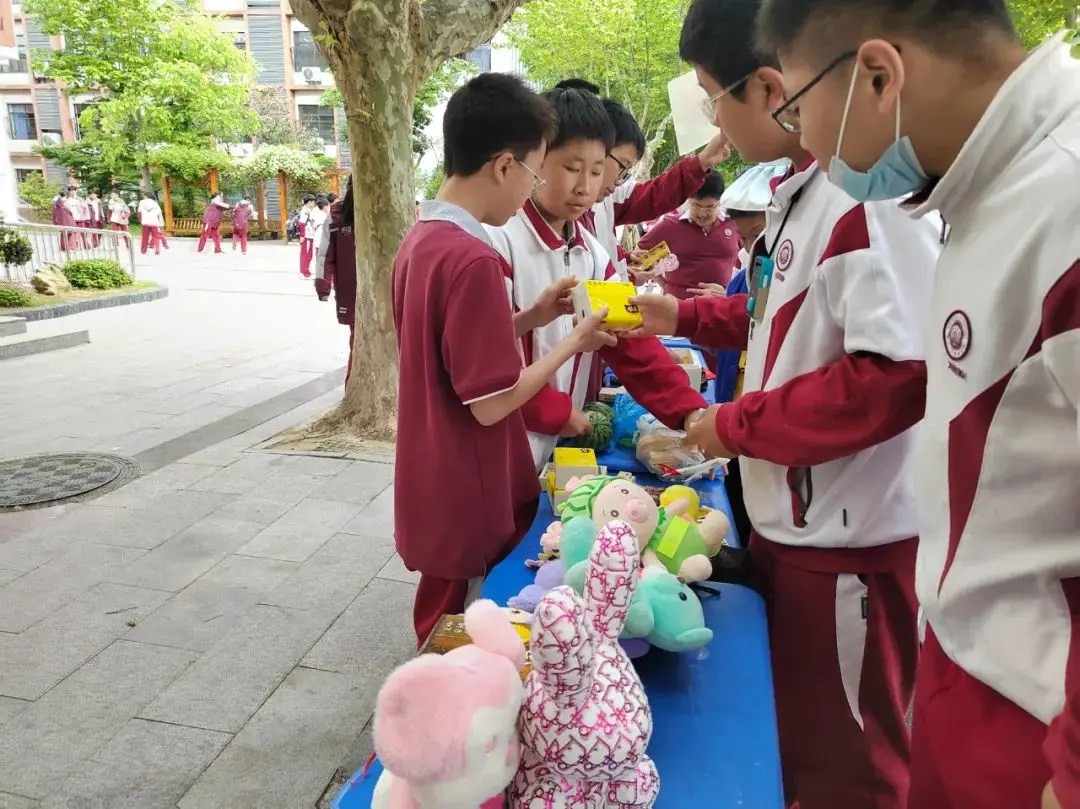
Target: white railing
x,y
58,245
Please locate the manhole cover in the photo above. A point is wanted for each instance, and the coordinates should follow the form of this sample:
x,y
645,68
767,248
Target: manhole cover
x,y
37,481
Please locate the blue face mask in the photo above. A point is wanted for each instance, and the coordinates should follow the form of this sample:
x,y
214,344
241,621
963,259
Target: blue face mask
x,y
897,173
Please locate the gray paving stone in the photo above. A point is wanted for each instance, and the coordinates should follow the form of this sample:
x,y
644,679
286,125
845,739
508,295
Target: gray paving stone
x,y
334,575
361,483
202,613
44,743
289,485
43,591
147,765
285,756
395,570
243,475
10,708
30,550
9,801
140,492
7,576
226,686
181,560
377,519
315,465
13,523
255,508
177,405
374,635
302,530
45,654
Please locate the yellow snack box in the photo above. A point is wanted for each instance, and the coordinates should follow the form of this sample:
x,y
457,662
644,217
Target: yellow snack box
x,y
650,259
592,296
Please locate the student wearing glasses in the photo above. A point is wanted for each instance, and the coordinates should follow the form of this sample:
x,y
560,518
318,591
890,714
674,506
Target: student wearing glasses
x,y
835,381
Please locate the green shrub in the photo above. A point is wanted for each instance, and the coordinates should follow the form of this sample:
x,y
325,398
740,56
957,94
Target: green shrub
x,y
97,273
14,298
15,248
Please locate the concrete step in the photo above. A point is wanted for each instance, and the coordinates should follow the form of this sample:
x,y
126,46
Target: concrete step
x,y
22,345
10,326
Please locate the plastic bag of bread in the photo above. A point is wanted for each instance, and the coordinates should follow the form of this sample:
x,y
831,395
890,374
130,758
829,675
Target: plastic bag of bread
x,y
665,453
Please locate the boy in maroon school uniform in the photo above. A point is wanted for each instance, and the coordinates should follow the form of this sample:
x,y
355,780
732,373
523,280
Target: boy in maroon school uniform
x,y
466,489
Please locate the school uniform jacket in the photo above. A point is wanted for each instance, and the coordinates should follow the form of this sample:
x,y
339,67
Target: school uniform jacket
x,y
834,378
632,203
539,257
999,452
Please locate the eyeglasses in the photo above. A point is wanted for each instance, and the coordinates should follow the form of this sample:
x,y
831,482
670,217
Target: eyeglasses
x,y
787,114
624,171
538,181
708,105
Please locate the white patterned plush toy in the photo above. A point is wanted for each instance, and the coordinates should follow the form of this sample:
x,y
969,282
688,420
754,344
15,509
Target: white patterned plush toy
x,y
585,722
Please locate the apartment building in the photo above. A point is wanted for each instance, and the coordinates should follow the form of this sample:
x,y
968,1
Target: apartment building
x,y
36,111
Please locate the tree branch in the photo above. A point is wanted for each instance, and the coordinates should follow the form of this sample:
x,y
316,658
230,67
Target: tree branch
x,y
454,27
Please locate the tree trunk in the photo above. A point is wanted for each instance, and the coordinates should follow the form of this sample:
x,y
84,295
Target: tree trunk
x,y
383,178
644,166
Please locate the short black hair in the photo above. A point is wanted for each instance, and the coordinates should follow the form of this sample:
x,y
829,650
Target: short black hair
x,y
247,198
712,188
331,197
579,115
718,36
308,198
578,84
735,213
491,114
835,26
627,130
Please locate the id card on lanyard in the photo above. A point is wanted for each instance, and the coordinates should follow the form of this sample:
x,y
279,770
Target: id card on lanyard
x,y
763,265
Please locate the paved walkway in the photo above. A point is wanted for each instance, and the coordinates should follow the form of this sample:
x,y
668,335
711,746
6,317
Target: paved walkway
x,y
214,633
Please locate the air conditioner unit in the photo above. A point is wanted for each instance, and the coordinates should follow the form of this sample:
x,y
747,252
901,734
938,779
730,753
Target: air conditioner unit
x,y
313,75
51,139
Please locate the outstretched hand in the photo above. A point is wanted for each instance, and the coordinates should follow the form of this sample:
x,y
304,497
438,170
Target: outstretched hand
x,y
555,301
659,315
715,152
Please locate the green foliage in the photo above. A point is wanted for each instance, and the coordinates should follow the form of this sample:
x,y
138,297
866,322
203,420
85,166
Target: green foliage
x,y
428,184
629,48
189,163
1038,20
15,248
14,298
276,126
440,84
165,73
97,273
300,167
38,193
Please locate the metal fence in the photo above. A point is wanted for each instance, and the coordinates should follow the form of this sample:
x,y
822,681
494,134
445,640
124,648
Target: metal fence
x,y
58,245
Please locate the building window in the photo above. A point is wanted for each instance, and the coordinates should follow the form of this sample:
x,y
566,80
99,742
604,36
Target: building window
x,y
240,40
22,125
319,120
76,127
17,65
306,53
21,175
480,57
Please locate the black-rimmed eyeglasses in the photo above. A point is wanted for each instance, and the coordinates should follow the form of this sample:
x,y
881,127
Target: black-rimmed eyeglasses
x,y
787,114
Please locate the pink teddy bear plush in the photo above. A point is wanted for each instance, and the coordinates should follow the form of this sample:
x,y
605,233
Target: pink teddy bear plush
x,y
446,726
585,722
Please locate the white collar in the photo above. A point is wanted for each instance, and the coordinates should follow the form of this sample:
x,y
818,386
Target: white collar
x,y
436,210
1028,107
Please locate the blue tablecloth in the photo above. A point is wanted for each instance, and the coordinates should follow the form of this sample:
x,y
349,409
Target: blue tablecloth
x,y
714,723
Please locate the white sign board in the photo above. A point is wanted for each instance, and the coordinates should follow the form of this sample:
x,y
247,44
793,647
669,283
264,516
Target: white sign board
x,y
692,129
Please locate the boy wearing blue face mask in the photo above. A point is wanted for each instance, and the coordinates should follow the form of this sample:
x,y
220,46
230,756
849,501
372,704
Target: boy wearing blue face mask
x,y
834,382
939,99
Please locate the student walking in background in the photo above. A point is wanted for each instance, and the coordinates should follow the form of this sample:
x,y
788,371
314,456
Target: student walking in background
x,y
335,266
152,222
97,220
119,213
212,217
307,243
61,217
317,223
242,214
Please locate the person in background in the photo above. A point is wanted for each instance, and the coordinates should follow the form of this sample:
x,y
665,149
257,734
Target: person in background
x,y
212,217
465,488
317,223
545,243
152,221
119,213
97,218
61,217
941,101
335,267
242,214
705,244
835,382
622,200
75,208
307,245
331,198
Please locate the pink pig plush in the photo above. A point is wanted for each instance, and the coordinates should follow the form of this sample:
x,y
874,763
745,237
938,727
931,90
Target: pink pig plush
x,y
446,726
585,722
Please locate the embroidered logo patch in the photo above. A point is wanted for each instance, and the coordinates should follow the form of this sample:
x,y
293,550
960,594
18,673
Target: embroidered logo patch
x,y
728,233
957,335
785,255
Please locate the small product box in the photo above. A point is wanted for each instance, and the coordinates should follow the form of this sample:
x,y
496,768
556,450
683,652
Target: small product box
x,y
592,296
653,256
449,634
692,362
574,462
